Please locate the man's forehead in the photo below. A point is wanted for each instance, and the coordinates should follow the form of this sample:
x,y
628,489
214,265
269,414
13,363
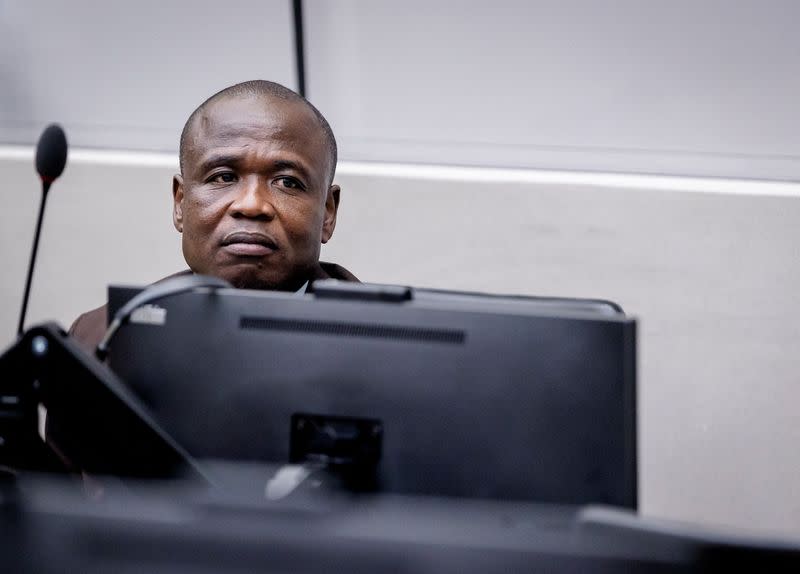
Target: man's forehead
x,y
234,121
253,116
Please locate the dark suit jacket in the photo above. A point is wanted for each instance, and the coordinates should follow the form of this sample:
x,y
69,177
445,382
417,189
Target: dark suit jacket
x,y
89,328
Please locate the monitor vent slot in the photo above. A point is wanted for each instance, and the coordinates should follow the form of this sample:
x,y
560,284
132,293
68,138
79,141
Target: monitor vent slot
x,y
367,330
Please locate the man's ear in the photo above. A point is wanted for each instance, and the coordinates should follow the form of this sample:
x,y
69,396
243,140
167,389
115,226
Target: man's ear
x,y
177,202
331,207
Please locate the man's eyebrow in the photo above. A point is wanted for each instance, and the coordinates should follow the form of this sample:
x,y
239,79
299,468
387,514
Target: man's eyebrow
x,y
219,159
216,160
289,165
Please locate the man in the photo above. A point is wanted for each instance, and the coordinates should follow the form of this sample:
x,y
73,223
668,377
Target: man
x,y
255,197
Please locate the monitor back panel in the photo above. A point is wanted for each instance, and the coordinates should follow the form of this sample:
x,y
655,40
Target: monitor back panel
x,y
472,402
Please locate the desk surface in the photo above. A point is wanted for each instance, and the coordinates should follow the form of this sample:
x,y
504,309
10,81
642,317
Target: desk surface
x,y
169,528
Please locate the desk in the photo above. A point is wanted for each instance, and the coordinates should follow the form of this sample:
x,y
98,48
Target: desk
x,y
49,526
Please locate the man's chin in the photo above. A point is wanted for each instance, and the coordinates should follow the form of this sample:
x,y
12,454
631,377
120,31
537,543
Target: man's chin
x,y
249,279
246,281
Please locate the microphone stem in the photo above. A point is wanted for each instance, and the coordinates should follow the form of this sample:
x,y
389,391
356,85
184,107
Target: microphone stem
x,y
32,263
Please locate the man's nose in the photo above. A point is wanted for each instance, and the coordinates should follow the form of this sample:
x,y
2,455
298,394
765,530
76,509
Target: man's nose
x,y
253,199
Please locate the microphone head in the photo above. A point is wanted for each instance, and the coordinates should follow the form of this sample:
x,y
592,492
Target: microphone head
x,y
51,153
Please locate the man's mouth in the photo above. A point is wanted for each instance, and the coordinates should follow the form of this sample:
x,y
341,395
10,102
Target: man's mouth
x,y
249,244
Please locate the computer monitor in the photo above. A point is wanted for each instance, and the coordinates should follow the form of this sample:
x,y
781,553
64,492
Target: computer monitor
x,y
410,391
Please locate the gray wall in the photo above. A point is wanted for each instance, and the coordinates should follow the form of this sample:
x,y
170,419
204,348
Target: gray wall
x,y
712,278
127,74
709,266
688,87
698,87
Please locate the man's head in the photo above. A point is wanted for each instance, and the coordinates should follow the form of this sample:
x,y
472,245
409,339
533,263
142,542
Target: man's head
x,y
254,199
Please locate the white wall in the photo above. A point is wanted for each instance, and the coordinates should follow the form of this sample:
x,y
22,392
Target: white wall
x,y
687,87
128,74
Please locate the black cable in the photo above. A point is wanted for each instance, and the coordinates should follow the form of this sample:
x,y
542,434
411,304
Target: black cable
x,y
32,263
299,46
167,288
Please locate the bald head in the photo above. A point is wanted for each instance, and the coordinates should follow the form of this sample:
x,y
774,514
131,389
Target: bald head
x,y
254,200
269,92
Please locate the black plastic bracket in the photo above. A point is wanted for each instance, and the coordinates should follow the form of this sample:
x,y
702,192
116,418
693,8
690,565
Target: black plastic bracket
x,y
94,423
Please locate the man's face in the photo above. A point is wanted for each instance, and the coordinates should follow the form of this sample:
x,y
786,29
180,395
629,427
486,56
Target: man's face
x,y
253,202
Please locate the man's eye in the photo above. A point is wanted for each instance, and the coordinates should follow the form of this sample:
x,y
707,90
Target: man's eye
x,y
224,177
290,183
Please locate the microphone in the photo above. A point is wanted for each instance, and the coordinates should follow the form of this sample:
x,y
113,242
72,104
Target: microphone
x,y
51,157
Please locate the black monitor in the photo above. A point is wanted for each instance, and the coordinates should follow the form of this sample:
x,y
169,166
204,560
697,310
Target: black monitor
x,y
399,390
